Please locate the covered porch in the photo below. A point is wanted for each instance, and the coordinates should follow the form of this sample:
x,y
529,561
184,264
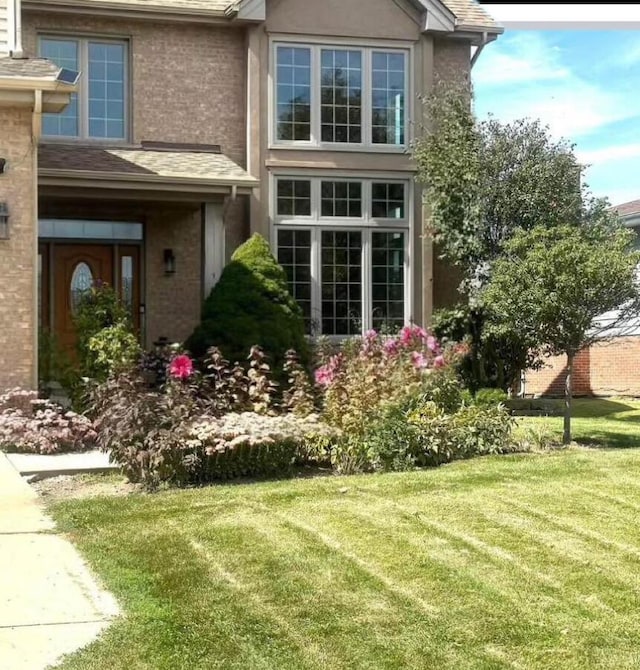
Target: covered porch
x,y
156,222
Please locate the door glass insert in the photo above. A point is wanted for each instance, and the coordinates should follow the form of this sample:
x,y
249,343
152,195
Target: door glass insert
x,y
126,281
81,281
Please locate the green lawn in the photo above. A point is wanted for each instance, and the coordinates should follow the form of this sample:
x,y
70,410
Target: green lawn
x,y
607,423
526,562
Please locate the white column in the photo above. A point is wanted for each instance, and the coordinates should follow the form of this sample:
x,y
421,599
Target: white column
x,y
214,245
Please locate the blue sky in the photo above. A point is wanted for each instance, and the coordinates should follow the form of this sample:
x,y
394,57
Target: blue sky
x,y
585,84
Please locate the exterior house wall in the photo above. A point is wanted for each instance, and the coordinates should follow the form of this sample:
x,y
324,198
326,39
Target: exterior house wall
x,y
187,81
606,369
366,21
4,26
18,253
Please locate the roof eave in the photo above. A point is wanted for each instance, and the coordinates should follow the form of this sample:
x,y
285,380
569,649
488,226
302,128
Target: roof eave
x,y
119,180
117,9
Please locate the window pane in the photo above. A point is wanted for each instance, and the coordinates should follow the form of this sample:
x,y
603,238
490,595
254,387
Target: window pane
x,y
64,53
106,90
293,93
387,97
126,281
341,96
341,282
294,254
387,200
341,198
388,281
293,197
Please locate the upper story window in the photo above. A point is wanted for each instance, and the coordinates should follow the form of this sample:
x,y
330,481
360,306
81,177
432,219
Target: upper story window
x,y
334,96
100,108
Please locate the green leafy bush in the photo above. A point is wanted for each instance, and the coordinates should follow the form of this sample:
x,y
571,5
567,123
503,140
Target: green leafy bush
x,y
249,305
471,431
490,397
105,338
419,430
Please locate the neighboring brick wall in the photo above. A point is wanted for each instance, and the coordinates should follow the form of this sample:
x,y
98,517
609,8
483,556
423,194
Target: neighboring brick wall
x,y
608,369
188,80
173,302
18,253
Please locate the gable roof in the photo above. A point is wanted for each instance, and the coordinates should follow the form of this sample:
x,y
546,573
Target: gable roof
x,y
468,13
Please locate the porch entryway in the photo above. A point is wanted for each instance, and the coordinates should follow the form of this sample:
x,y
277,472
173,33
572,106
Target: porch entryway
x,y
72,258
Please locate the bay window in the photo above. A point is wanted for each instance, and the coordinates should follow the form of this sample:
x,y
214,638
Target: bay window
x,y
345,251
338,96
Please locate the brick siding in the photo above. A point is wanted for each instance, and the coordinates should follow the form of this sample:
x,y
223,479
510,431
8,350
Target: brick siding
x,y
18,253
607,369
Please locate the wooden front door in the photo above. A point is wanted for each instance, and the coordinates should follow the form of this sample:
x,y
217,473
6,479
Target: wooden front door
x,y
75,268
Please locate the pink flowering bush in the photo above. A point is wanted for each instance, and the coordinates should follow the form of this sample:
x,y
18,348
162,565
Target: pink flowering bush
x,y
29,424
369,371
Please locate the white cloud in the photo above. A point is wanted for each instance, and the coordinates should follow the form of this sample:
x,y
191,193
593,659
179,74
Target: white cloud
x,y
572,108
608,154
523,58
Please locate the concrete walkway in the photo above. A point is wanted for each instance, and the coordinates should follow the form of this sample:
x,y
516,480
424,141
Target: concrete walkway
x,y
50,605
38,466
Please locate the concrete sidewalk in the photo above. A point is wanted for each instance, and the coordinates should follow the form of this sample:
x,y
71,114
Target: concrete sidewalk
x,y
50,605
38,466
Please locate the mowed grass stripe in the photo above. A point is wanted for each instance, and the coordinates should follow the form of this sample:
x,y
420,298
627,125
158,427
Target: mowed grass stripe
x,y
505,562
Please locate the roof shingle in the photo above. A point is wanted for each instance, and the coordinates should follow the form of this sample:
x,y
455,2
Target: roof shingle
x,y
171,164
628,208
467,12
27,67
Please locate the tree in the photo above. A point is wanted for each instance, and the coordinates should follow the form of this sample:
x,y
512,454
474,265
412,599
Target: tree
x,y
483,182
552,284
249,305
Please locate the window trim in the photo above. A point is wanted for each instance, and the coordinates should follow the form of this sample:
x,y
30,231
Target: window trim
x,y
366,48
366,227
83,39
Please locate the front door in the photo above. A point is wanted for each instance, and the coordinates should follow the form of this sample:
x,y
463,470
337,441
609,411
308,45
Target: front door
x,y
76,267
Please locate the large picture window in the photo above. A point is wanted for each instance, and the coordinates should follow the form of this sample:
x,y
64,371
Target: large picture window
x,y
346,255
100,108
329,95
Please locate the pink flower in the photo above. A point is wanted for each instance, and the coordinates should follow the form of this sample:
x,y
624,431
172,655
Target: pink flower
x,y
391,347
323,376
438,361
419,360
181,367
370,335
432,343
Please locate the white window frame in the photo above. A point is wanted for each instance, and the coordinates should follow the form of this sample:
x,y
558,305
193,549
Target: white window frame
x,y
83,41
366,226
366,48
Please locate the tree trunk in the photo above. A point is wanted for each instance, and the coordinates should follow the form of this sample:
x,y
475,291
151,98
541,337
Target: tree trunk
x,y
568,391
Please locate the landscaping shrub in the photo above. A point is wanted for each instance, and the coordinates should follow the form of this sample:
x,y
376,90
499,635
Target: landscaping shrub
x,y
370,371
105,338
490,397
29,424
201,425
249,305
250,444
471,431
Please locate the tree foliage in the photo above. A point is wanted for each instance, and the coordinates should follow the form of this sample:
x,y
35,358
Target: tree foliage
x,y
551,285
484,180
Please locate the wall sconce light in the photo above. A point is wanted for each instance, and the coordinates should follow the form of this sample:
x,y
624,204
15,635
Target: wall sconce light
x,y
4,221
3,165
169,262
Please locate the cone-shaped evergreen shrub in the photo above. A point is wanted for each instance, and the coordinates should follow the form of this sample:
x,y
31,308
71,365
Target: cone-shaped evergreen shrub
x,y
251,304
